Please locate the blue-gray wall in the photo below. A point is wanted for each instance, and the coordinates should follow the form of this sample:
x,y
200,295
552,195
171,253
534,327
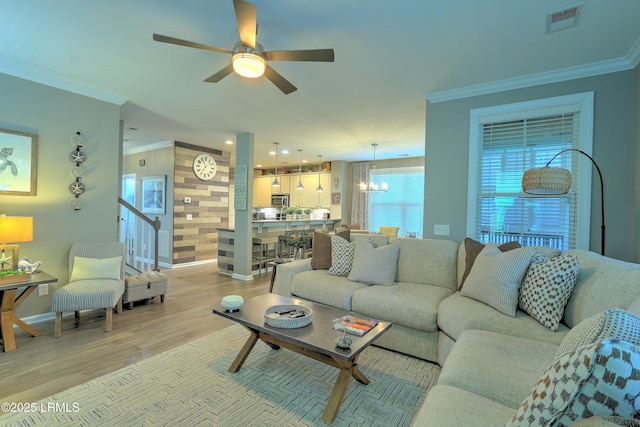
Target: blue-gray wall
x,y
614,149
55,116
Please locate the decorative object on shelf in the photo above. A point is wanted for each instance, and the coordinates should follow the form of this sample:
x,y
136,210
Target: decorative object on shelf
x,y
552,181
288,316
300,186
205,167
372,186
25,264
276,181
78,172
232,303
319,188
13,229
154,194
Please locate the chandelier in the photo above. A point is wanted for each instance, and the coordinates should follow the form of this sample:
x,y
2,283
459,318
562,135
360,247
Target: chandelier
x,y
372,186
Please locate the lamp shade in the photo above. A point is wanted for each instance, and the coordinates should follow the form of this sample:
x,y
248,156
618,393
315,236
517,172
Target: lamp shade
x,y
546,181
16,229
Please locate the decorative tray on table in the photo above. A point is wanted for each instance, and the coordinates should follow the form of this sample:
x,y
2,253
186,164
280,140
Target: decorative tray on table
x,y
288,316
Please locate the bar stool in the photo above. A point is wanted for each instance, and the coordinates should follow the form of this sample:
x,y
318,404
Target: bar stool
x,y
265,244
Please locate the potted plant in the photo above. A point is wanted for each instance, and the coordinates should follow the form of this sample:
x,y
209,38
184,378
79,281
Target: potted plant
x,y
307,213
290,213
298,212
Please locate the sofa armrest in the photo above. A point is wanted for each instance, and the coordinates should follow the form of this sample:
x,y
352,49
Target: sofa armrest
x,y
285,273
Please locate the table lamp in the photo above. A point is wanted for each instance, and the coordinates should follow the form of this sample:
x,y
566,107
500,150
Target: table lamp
x,y
13,229
551,181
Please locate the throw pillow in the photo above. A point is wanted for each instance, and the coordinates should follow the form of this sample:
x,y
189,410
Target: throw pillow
x,y
321,251
376,266
472,248
614,323
341,256
95,268
547,288
599,379
496,276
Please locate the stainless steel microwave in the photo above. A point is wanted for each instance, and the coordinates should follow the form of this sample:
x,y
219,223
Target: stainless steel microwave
x,y
279,200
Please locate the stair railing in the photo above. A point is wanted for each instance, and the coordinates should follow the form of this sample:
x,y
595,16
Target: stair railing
x,y
141,239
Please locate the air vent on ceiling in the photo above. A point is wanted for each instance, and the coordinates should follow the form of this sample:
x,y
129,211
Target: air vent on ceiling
x,y
563,19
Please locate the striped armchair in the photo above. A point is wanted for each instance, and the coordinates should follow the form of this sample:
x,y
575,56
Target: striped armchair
x,y
96,280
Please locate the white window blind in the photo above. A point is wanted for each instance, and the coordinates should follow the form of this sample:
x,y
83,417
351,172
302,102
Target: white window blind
x,y
402,205
508,146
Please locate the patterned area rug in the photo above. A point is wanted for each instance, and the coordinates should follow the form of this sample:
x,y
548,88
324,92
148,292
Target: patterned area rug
x,y
190,386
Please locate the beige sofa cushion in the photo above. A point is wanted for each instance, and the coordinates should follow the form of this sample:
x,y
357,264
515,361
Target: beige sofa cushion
x,y
374,266
408,304
448,406
318,286
427,261
496,277
603,283
458,313
499,367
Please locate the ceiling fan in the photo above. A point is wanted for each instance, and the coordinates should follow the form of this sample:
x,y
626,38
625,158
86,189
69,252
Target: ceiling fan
x,y
248,57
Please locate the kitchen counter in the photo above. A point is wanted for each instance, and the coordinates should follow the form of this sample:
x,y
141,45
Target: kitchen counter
x,y
266,228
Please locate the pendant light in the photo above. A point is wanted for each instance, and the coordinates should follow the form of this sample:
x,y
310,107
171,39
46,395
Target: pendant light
x,y
372,186
276,181
319,188
300,186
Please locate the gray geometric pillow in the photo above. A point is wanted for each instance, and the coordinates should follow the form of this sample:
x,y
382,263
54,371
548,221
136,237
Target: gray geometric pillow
x,y
341,256
614,323
547,288
599,379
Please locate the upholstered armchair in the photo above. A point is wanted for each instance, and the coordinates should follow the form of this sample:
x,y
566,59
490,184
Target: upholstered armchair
x,y
96,281
389,230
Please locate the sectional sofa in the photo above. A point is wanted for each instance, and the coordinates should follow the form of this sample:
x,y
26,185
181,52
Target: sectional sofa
x,y
492,353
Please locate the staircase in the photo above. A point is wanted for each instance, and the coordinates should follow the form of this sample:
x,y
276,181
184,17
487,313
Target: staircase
x,y
140,234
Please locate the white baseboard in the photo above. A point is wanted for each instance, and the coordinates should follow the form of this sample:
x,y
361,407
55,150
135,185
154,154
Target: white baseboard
x,y
242,277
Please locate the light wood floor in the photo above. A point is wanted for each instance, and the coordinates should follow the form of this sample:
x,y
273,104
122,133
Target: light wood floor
x,y
42,366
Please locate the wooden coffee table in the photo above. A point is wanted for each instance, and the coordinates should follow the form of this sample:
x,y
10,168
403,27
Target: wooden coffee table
x,y
316,340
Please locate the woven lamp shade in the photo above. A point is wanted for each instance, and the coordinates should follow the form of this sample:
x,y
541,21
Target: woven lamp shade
x,y
546,181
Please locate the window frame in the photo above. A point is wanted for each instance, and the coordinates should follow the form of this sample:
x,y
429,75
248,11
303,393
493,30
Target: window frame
x,y
583,102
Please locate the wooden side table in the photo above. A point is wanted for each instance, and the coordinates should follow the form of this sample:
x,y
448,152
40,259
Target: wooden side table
x,y
10,300
274,268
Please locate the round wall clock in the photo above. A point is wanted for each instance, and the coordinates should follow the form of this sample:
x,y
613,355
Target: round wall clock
x,y
204,166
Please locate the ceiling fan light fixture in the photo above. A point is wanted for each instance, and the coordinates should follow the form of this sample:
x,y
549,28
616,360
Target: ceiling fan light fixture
x,y
248,64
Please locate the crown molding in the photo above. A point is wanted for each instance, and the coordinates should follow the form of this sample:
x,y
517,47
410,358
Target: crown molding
x,y
148,147
634,54
34,76
571,73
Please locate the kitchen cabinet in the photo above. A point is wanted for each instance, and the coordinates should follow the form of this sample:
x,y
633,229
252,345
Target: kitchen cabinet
x,y
308,197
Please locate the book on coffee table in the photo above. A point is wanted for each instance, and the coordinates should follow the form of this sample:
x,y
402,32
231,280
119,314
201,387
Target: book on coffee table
x,y
354,325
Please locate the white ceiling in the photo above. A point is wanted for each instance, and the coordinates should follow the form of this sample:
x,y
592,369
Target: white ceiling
x,y
389,56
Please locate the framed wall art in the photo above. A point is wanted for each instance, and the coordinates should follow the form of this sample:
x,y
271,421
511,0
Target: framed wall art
x,y
18,163
154,194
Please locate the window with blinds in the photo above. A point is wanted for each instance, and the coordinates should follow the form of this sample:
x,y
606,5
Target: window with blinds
x,y
505,146
402,205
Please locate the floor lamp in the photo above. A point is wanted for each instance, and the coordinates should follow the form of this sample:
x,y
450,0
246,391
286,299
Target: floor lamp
x,y
551,181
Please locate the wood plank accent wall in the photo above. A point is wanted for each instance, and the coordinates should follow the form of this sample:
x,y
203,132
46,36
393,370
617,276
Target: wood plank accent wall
x,y
197,240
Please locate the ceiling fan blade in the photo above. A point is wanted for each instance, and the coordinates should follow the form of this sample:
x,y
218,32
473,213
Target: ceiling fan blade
x,y
283,84
187,43
246,17
317,55
215,78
